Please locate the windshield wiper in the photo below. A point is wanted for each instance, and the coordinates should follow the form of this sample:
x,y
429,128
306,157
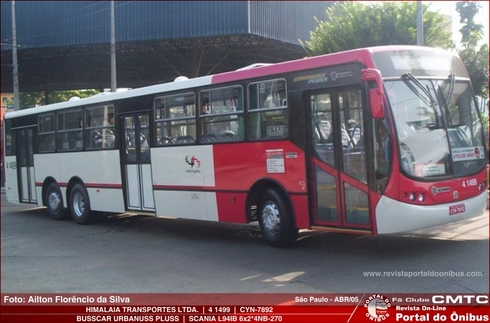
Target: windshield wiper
x,y
452,80
447,99
431,102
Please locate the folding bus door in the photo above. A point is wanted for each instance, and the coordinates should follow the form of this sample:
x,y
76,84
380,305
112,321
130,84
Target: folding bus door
x,y
137,162
338,165
25,165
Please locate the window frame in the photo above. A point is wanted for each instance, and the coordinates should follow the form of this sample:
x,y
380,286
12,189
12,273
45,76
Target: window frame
x,y
261,113
234,117
45,135
67,143
159,122
105,130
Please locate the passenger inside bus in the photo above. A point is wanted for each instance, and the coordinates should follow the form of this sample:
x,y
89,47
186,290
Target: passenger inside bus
x,y
354,132
325,128
205,107
346,141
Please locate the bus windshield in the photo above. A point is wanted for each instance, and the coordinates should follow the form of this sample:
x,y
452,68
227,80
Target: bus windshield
x,y
439,131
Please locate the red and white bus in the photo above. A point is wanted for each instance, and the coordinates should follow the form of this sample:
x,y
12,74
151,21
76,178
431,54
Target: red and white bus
x,y
370,141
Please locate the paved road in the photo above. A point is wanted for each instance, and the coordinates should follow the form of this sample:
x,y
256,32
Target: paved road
x,y
133,254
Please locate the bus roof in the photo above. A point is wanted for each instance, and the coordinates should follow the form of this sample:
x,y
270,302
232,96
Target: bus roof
x,y
362,55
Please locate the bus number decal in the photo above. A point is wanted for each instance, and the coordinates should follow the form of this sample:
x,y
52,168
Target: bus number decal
x,y
470,182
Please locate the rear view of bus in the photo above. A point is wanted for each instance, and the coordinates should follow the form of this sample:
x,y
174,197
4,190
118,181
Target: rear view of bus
x,y
438,169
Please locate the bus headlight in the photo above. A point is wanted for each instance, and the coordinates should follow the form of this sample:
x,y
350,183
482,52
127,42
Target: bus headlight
x,y
412,197
421,198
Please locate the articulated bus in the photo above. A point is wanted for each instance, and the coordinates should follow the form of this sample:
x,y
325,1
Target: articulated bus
x,y
371,141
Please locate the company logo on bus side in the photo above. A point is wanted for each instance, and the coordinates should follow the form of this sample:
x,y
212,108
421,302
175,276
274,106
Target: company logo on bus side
x,y
193,161
323,77
337,75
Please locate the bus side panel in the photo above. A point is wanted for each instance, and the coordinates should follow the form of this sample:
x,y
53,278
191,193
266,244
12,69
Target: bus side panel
x,y
195,205
239,166
99,171
48,165
11,186
99,198
300,210
231,207
183,182
185,167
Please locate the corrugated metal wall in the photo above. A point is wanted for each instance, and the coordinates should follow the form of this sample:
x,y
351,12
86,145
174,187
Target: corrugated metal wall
x,y
64,23
287,21
56,23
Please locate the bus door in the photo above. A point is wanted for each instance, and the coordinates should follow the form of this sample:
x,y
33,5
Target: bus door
x,y
137,162
25,165
338,163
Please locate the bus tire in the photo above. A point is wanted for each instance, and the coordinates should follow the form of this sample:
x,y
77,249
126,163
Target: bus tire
x,y
80,205
54,202
276,220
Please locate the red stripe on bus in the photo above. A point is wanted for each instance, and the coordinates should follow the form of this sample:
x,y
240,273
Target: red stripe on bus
x,y
88,185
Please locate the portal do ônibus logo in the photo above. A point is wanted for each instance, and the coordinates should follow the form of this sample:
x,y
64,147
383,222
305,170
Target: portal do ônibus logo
x,y
377,307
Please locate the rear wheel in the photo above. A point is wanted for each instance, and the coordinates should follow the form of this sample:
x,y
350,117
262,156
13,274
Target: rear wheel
x,y
80,205
54,202
276,220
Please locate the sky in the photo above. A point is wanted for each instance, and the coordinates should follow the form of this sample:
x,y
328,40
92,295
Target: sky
x,y
449,8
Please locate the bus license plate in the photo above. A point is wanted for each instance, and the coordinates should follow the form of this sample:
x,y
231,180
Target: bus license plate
x,y
455,209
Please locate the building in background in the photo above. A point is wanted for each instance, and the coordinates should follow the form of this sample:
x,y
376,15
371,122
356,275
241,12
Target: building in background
x,y
65,45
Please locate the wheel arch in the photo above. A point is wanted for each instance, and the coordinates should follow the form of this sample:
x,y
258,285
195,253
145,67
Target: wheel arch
x,y
256,192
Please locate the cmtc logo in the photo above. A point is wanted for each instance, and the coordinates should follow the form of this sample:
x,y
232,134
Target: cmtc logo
x,y
460,299
377,307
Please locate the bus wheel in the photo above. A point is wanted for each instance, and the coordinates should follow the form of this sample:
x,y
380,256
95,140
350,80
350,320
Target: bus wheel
x,y
276,220
54,202
80,205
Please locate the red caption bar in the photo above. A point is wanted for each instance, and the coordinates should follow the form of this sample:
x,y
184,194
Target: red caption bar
x,y
304,308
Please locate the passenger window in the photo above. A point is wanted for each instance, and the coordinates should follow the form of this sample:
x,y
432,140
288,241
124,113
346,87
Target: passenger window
x,y
46,133
99,127
221,115
175,121
267,111
69,132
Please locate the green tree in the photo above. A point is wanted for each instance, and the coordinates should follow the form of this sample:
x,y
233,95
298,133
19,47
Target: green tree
x,y
467,12
34,99
352,25
474,57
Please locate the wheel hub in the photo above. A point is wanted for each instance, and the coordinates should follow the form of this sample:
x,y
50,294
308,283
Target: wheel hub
x,y
54,201
270,216
78,204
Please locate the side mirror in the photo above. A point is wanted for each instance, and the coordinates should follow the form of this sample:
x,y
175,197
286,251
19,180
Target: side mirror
x,y
376,95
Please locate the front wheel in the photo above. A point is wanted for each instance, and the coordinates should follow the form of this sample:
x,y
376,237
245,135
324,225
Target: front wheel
x,y
80,205
54,202
276,220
